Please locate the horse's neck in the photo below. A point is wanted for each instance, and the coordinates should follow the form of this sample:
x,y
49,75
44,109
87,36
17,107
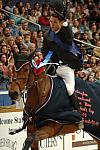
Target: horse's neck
x,y
43,88
38,93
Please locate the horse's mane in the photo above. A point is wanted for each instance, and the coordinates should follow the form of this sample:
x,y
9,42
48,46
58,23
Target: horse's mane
x,y
22,66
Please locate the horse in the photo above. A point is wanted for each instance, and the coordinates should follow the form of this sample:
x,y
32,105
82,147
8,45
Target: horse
x,y
39,125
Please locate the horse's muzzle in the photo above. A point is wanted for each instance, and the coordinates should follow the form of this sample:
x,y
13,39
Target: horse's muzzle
x,y
13,95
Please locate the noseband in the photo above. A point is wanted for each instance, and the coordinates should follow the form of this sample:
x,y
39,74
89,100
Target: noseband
x,y
16,81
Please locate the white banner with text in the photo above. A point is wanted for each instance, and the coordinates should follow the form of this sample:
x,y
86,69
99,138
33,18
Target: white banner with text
x,y
13,120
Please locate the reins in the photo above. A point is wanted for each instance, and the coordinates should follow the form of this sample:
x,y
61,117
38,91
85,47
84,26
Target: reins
x,y
37,83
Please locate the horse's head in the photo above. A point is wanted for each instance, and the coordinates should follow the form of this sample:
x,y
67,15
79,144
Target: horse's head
x,y
19,81
29,78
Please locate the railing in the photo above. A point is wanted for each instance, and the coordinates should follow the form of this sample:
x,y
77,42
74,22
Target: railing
x,y
38,25
5,100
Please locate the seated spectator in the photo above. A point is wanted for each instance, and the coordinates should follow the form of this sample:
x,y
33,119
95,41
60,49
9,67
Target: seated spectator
x,y
10,70
23,12
33,16
6,33
97,75
77,36
44,19
37,8
93,61
78,12
93,28
15,48
75,26
88,48
14,17
95,38
3,60
1,73
19,5
70,17
3,24
96,51
24,28
19,42
27,40
40,39
86,61
3,80
84,26
91,78
4,49
45,7
20,58
13,28
82,75
27,8
34,37
10,41
32,47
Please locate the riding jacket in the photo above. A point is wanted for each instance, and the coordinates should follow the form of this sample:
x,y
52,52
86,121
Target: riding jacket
x,y
63,47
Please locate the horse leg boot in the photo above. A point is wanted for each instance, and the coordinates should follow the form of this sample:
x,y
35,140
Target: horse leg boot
x,y
75,102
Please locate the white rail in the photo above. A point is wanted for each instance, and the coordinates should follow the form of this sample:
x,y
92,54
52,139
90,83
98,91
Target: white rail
x,y
87,43
39,26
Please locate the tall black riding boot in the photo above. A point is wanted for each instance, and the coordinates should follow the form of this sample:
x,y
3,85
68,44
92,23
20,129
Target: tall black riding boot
x,y
75,102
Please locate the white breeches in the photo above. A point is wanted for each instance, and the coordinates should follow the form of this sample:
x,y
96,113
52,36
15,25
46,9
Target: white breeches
x,y
67,74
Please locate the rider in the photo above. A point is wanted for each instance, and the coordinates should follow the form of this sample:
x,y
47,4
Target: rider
x,y
59,40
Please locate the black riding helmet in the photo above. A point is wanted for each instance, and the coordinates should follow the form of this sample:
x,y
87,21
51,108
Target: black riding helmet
x,y
58,8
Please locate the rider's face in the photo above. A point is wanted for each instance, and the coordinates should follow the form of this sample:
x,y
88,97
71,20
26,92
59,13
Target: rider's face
x,y
55,24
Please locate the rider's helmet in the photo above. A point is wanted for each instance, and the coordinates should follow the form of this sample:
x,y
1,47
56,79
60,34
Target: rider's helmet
x,y
59,8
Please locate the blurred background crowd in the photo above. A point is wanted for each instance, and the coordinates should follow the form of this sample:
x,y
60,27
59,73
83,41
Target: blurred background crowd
x,y
19,37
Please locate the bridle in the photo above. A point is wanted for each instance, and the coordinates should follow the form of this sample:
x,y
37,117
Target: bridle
x,y
16,81
28,85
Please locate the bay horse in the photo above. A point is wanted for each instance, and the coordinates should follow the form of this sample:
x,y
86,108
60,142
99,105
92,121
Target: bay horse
x,y
38,91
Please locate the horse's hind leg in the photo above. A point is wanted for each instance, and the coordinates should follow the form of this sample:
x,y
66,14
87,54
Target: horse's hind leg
x,y
45,132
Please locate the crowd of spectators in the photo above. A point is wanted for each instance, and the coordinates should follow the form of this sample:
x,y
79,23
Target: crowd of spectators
x,y
19,38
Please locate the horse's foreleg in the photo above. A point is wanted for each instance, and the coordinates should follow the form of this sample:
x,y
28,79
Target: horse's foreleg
x,y
30,130
45,132
98,142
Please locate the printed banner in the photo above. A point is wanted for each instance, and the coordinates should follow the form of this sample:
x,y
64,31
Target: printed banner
x,y
8,122
89,97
